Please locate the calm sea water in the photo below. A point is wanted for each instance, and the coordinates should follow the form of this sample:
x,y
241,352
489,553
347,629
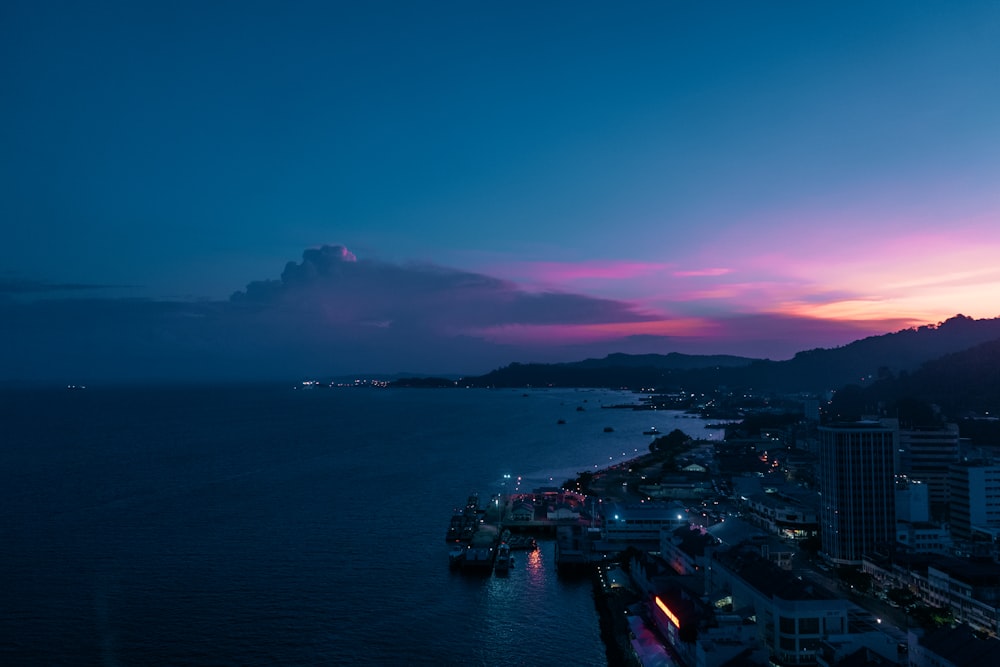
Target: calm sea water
x,y
275,526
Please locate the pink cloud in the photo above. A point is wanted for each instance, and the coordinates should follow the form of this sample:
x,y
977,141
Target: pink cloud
x,y
560,334
334,310
556,273
771,335
697,273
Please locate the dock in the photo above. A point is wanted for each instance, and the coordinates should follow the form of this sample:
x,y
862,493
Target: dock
x,y
514,523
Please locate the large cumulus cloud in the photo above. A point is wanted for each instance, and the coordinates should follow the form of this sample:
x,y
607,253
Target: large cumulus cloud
x,y
332,313
336,289
329,313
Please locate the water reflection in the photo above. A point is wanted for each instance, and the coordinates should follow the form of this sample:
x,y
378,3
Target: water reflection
x,y
535,567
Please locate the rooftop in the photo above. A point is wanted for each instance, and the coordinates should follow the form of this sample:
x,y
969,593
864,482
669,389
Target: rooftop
x,y
768,578
963,647
969,570
692,541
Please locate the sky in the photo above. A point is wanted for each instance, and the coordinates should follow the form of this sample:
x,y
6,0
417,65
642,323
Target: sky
x,y
270,189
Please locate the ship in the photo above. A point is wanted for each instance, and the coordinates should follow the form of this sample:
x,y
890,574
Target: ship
x,y
478,559
456,556
464,523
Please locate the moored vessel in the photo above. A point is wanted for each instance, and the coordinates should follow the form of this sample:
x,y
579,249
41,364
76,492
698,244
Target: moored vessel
x,y
503,560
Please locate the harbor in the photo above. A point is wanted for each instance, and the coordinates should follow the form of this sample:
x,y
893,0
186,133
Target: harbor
x,y
483,539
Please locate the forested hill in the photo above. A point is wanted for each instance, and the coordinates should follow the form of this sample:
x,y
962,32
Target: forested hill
x,y
958,383
861,362
674,361
616,370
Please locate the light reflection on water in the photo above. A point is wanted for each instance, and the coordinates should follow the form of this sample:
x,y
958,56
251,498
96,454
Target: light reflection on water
x,y
535,567
253,527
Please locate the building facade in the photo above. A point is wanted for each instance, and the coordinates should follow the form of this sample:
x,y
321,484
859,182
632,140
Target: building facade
x,y
782,515
858,508
792,619
925,454
973,498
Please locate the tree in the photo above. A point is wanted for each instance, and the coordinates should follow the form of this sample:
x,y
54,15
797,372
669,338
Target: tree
x,y
673,441
848,404
581,484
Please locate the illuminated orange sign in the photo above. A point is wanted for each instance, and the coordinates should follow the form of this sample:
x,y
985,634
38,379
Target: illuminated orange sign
x,y
666,610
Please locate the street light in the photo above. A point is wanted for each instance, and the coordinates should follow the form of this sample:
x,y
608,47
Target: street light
x,y
503,496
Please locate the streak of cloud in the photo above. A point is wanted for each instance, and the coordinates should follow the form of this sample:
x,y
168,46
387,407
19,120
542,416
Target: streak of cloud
x,y
36,287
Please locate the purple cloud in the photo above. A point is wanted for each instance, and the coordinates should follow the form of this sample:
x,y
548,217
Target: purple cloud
x,y
332,287
332,313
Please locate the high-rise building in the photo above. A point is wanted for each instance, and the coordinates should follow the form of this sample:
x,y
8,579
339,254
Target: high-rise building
x,y
925,454
974,498
856,477
912,501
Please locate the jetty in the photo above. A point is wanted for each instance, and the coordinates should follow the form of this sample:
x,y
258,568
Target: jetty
x,y
483,539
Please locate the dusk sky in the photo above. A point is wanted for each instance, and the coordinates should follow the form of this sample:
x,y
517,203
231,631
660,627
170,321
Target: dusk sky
x,y
269,189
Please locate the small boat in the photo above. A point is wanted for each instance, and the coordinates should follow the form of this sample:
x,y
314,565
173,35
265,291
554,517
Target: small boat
x,y
503,560
561,421
652,431
525,542
478,558
608,429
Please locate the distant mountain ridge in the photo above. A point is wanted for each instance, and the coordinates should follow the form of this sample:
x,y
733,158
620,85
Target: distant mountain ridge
x,y
673,360
861,362
961,382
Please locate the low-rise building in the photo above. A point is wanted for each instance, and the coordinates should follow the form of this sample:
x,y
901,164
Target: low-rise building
x,y
924,537
639,524
522,511
563,512
791,617
783,515
699,634
691,486
739,533
970,588
685,549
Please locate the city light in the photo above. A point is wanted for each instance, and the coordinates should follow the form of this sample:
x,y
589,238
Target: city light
x,y
666,610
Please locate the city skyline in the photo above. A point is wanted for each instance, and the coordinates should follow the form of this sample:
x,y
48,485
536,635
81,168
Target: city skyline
x,y
197,191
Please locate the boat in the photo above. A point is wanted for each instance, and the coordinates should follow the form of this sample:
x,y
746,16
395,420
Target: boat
x,y
478,558
454,533
522,542
608,429
503,560
561,421
652,431
465,522
456,555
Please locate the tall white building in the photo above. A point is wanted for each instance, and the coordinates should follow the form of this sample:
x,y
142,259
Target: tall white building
x,y
974,497
912,501
925,454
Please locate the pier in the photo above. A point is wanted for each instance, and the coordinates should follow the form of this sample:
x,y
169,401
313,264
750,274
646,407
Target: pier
x,y
477,532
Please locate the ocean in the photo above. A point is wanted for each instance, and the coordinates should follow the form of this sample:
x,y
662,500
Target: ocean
x,y
279,525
